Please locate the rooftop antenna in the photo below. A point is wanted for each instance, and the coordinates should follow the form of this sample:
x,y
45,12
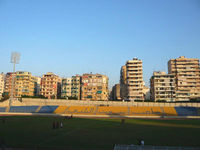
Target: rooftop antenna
x,y
15,57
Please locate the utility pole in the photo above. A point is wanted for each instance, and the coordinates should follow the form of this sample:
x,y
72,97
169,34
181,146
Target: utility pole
x,y
15,57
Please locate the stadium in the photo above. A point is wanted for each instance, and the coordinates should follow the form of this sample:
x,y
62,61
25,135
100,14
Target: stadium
x,y
30,124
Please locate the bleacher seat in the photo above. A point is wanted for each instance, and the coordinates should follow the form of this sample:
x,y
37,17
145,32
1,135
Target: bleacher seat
x,y
169,111
112,110
2,109
60,109
87,110
146,111
187,111
47,109
23,109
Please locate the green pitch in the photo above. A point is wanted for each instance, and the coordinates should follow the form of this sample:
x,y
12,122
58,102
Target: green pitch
x,y
95,134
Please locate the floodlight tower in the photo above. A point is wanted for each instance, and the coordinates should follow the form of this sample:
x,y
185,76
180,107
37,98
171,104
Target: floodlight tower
x,y
15,57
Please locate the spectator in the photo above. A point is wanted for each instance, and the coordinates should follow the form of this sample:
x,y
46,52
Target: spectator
x,y
142,142
61,124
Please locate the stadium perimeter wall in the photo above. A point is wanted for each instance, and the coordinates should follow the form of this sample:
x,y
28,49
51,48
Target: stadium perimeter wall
x,y
43,102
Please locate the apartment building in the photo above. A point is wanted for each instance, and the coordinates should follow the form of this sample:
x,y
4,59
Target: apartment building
x,y
123,88
187,77
162,86
146,92
2,77
76,87
51,86
24,84
8,84
133,80
94,87
66,88
115,93
37,82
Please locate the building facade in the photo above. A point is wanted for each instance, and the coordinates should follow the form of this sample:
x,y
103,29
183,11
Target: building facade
x,y
94,87
51,86
123,83
146,93
187,77
131,80
37,83
2,80
66,88
76,87
162,86
115,93
8,84
24,84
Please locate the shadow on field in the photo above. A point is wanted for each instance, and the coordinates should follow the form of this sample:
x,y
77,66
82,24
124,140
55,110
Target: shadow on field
x,y
37,132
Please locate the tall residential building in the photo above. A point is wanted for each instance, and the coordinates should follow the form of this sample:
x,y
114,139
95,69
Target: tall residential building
x,y
76,86
187,77
115,93
2,76
123,82
162,86
133,88
24,84
51,86
94,87
66,88
8,83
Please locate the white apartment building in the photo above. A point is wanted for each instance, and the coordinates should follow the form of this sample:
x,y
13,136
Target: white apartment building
x,y
187,77
133,80
162,86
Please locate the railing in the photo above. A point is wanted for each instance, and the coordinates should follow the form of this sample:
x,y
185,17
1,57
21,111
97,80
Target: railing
x,y
110,103
35,101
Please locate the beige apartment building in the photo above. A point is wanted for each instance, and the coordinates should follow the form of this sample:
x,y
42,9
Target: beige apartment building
x,y
131,80
8,84
2,77
51,86
24,84
76,87
94,87
162,86
187,77
66,88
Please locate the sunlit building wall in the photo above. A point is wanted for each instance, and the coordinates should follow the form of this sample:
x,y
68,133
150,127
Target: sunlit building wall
x,y
24,84
51,86
94,87
162,86
187,77
2,80
66,87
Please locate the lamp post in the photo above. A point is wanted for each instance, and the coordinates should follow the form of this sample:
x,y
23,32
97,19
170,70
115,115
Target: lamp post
x,y
15,57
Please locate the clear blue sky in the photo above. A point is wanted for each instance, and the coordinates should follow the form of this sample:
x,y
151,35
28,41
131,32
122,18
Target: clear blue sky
x,y
99,36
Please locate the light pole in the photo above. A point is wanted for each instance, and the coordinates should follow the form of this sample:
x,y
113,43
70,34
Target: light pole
x,y
15,57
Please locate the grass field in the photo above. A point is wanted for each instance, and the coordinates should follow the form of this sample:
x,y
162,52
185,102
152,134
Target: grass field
x,y
96,134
